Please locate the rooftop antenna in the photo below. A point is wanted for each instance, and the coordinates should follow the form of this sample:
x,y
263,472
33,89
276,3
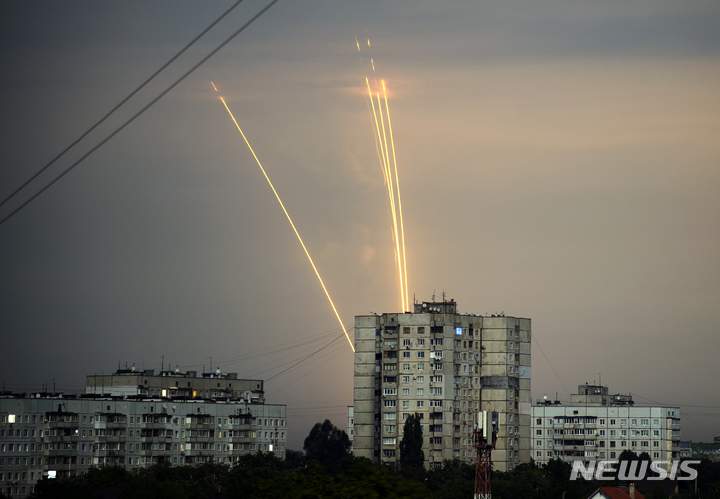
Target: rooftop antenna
x,y
162,364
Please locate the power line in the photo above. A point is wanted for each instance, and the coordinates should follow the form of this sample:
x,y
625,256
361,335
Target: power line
x,y
311,370
123,101
272,350
305,358
551,366
162,94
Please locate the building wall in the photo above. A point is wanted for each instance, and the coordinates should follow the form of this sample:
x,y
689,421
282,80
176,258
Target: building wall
x,y
39,435
209,385
588,433
444,366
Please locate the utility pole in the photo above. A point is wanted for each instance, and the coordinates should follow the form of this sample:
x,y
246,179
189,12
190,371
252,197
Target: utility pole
x,y
484,438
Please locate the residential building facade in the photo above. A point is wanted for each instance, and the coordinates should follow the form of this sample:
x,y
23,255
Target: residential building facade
x,y
57,435
445,366
599,426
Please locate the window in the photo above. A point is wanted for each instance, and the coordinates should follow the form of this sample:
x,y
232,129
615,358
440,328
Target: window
x,y
421,355
436,390
437,366
421,367
421,391
406,355
538,421
390,403
612,422
389,440
406,367
390,428
656,422
421,379
538,432
406,379
421,342
389,391
389,415
644,422
406,343
421,403
406,391
406,330
406,404
458,331
421,330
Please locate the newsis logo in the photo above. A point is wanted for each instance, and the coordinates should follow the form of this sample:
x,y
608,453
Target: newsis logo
x,y
634,470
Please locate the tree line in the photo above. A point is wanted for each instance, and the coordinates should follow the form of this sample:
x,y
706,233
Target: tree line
x,y
326,469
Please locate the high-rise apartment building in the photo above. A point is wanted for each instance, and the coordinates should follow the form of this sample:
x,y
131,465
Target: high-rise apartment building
x,y
135,419
445,366
600,426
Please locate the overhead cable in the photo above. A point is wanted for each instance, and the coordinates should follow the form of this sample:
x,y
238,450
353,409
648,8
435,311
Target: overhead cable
x,y
162,94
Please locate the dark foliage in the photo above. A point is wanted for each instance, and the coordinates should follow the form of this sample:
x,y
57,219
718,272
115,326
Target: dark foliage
x,y
262,475
326,443
411,453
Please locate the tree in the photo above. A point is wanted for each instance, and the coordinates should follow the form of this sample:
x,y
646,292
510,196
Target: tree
x,y
411,453
326,443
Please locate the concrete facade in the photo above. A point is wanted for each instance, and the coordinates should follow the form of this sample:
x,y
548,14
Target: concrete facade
x,y
601,427
445,366
54,435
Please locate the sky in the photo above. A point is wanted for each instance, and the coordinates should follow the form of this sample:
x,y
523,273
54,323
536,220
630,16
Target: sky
x,y
558,160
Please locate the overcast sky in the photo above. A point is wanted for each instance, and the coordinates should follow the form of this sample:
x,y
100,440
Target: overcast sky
x,y
559,160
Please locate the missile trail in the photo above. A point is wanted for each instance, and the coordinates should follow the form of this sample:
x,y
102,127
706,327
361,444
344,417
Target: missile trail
x,y
397,186
394,210
307,253
388,180
383,148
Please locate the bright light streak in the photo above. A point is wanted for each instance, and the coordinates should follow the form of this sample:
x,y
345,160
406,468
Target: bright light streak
x,y
373,64
291,223
357,43
397,186
368,42
211,83
392,206
388,181
379,137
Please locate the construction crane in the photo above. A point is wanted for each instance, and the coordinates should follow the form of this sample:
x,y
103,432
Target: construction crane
x,y
484,438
